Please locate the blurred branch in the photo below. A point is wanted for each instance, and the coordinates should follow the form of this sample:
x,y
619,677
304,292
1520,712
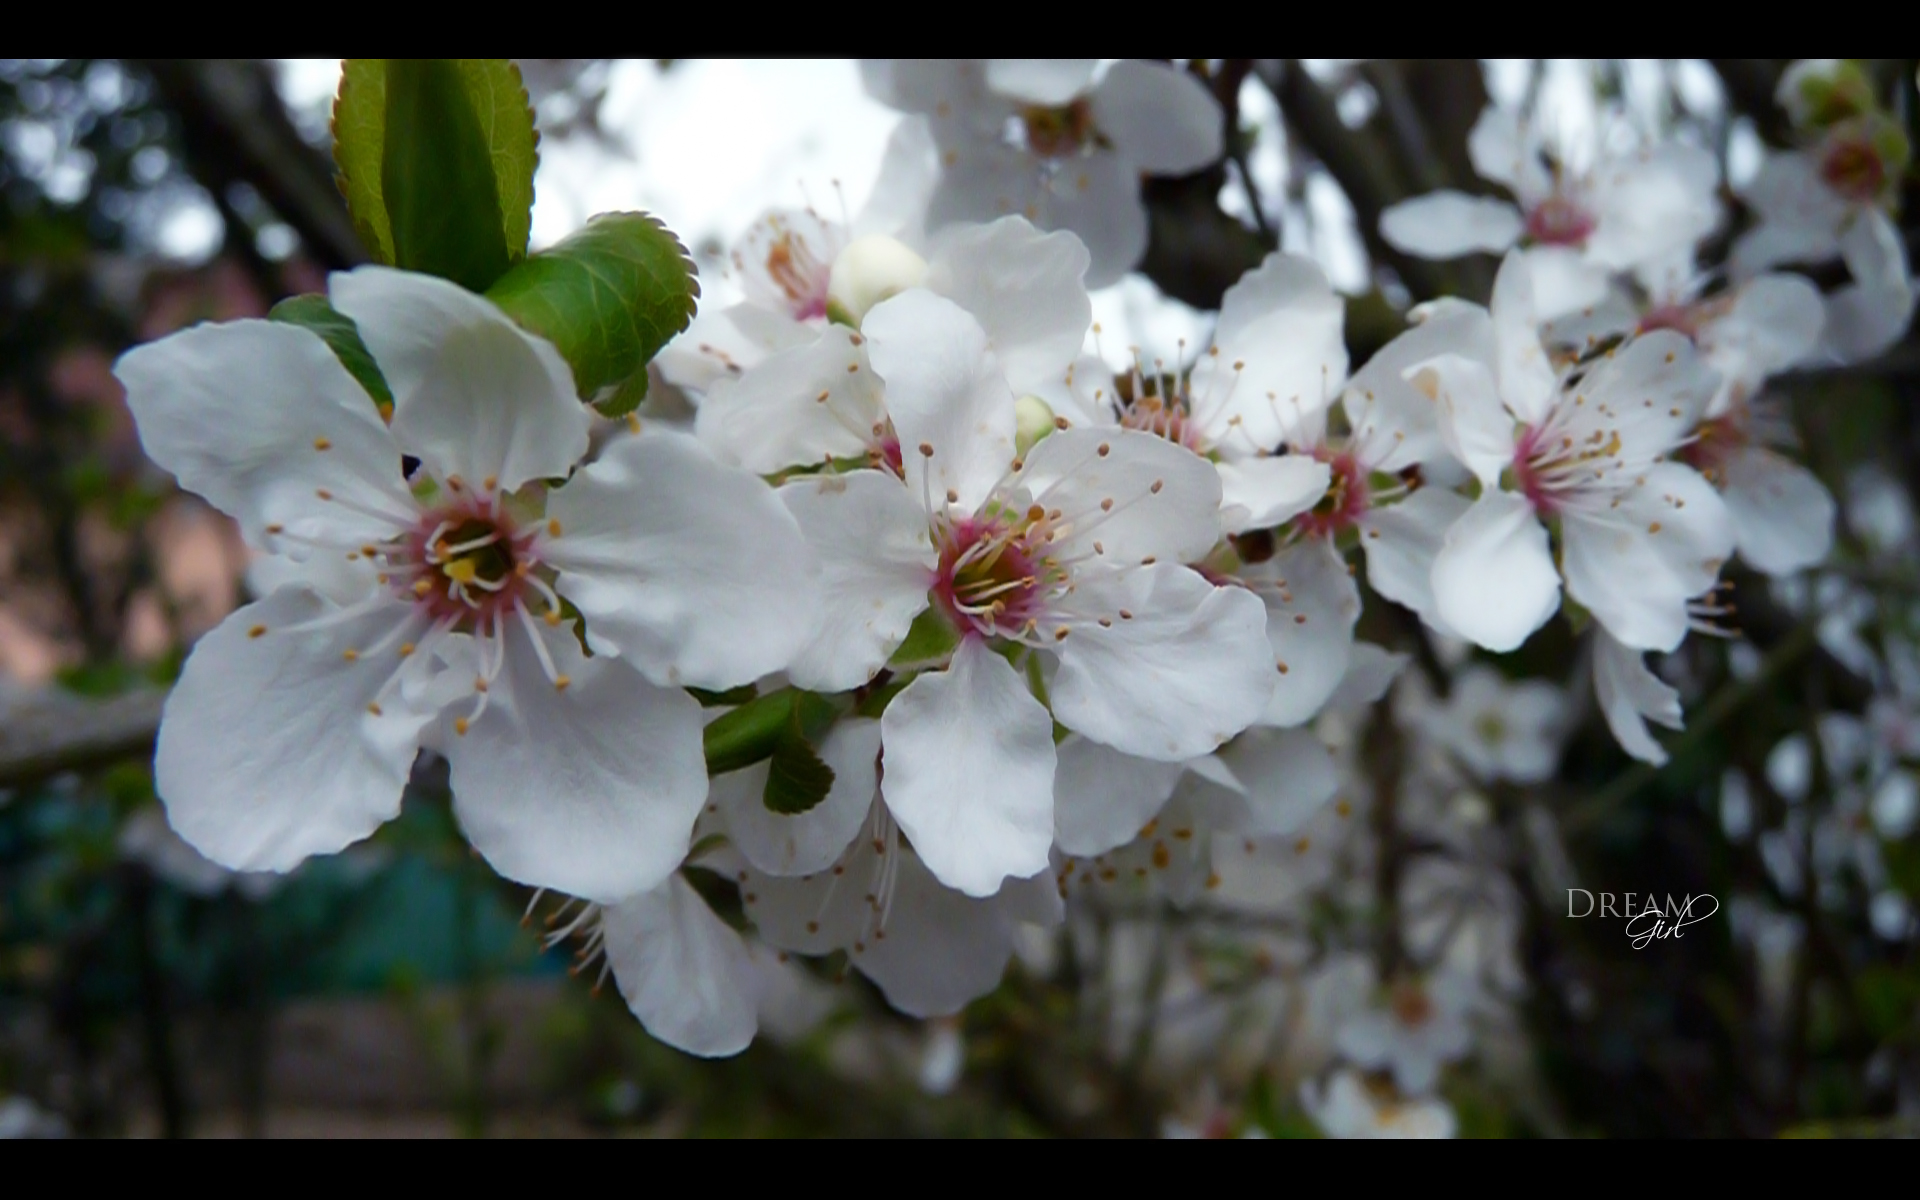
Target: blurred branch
x,y
235,129
1195,252
1728,701
44,737
1750,83
1356,163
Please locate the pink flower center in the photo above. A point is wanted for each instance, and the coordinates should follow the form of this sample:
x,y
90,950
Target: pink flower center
x,y
1683,319
799,275
1852,167
1347,500
994,575
466,562
1058,132
1559,221
1169,418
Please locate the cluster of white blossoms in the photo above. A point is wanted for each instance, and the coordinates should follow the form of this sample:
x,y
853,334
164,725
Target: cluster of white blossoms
x,y
1035,624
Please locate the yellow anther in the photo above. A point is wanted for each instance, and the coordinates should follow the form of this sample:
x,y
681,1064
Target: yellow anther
x,y
551,617
373,708
351,655
406,649
322,444
926,449
461,570
323,493
490,482
256,631
561,683
460,726
553,527
422,586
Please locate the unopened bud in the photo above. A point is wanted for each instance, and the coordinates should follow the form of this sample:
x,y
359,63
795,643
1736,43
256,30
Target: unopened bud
x,y
1821,92
869,270
1032,420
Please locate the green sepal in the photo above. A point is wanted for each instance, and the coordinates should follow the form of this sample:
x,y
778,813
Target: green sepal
x,y
752,732
732,697
608,297
342,336
930,639
748,734
436,159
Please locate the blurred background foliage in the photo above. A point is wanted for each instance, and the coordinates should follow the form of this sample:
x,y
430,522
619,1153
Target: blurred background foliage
x,y
397,987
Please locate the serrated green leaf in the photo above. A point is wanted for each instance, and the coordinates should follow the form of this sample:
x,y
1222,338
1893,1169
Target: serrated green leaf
x,y
505,114
342,336
797,779
749,733
436,173
359,143
609,296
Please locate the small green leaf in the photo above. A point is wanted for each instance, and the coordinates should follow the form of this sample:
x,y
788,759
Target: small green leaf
x,y
437,176
359,144
796,777
436,158
625,398
609,296
930,639
342,336
749,733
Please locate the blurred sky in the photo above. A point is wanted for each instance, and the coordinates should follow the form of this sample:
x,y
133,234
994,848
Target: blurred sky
x,y
710,144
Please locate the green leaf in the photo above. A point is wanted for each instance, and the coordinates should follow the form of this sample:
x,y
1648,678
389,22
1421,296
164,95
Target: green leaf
x,y
359,143
749,733
796,777
609,296
437,176
436,159
342,337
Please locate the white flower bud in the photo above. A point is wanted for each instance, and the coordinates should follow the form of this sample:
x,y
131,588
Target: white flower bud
x,y
869,270
1032,420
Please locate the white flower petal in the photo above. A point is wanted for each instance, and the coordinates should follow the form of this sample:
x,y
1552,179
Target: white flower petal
x,y
1473,423
803,843
1782,515
1493,580
1652,206
801,405
969,771
1025,289
1046,81
1101,796
1630,695
943,949
1525,373
257,417
692,571
1165,500
1311,604
1280,356
1869,315
1500,151
1161,119
1289,776
946,394
1401,541
1097,199
1179,667
876,564
1394,423
473,394
1636,564
1448,224
909,171
683,971
1264,492
593,790
265,756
